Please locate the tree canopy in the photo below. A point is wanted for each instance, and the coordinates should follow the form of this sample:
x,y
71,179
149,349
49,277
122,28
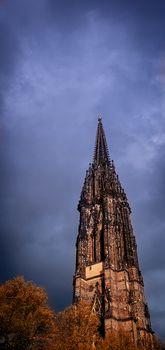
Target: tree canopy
x,y
26,321
77,328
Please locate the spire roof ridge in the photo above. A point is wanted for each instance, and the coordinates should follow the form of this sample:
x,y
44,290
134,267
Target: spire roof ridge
x,y
101,153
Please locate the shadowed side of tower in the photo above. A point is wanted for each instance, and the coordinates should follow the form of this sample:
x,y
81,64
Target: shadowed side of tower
x,y
107,273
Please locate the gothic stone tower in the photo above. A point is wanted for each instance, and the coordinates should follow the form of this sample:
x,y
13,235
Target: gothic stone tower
x,y
107,272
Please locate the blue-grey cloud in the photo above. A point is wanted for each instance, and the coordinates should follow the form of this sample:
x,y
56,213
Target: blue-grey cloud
x,y
61,65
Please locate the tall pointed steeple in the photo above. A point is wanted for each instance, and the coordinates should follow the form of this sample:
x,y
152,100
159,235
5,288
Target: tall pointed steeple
x,y
101,177
101,154
107,272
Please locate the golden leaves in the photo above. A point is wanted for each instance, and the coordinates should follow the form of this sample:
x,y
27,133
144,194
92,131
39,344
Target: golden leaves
x,y
24,314
28,323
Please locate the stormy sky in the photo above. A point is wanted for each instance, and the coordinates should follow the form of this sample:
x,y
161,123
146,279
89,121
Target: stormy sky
x,y
62,63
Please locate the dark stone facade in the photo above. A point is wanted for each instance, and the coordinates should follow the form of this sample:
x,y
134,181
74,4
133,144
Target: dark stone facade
x,y
107,272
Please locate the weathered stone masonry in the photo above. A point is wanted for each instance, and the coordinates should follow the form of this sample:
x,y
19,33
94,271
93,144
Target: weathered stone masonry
x,y
107,272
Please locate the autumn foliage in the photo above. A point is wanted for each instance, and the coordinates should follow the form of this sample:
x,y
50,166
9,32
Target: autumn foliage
x,y
77,328
28,323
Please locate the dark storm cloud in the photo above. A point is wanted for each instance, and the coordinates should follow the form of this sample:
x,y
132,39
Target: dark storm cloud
x,y
154,225
61,64
8,57
145,17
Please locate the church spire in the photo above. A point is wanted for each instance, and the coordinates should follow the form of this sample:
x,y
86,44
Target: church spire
x,y
101,154
107,273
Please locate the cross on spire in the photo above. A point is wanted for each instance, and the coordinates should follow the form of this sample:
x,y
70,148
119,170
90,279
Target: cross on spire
x,y
101,154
